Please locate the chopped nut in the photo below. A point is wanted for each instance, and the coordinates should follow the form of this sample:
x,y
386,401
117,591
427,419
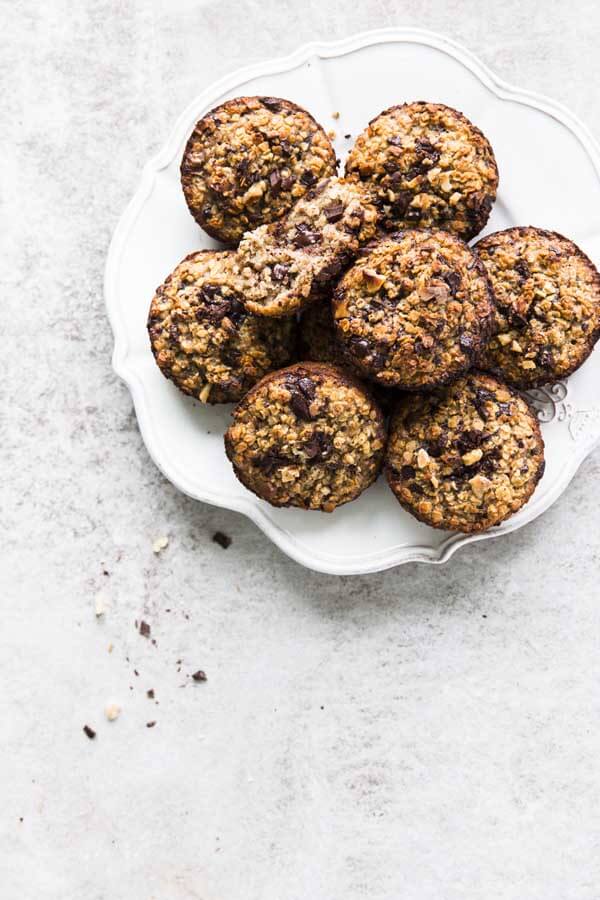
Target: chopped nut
x,y
516,347
423,458
160,543
373,280
255,191
144,629
112,711
331,135
503,339
205,393
472,456
479,484
528,364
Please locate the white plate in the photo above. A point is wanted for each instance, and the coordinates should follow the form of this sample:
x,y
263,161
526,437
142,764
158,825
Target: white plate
x,y
549,177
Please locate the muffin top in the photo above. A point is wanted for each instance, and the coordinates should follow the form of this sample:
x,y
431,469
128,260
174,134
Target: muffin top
x,y
547,294
202,337
249,160
415,310
308,436
431,167
466,457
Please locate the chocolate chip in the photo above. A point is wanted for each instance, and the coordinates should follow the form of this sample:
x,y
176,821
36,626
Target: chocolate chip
x,y
480,399
407,472
305,237
308,177
223,540
334,212
395,140
287,182
275,181
271,103
144,629
299,405
319,447
466,342
89,732
436,448
360,347
522,269
270,461
401,202
545,358
286,147
503,409
453,280
280,271
199,675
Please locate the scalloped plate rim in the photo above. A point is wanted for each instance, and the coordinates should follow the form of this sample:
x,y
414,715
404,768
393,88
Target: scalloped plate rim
x,y
286,541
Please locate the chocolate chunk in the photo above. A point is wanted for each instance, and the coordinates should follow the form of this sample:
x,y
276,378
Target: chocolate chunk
x,y
480,399
545,358
401,203
89,732
199,675
437,447
407,472
223,540
416,488
305,237
270,461
144,629
516,319
300,404
334,212
522,269
279,271
319,447
287,183
466,342
360,347
271,103
503,409
286,147
308,177
413,214
307,386
275,181
378,360
395,140
453,280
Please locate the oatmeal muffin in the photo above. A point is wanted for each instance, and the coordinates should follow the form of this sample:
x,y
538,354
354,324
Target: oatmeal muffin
x,y
466,457
308,436
547,294
249,160
415,311
283,266
431,167
204,340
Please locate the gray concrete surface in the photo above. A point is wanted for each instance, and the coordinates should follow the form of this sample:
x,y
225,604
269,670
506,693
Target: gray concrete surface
x,y
424,734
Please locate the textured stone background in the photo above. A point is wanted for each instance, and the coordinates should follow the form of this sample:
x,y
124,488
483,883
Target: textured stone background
x,y
423,733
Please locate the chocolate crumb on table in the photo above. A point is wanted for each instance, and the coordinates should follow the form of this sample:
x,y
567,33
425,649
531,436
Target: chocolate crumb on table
x,y
199,675
89,732
248,161
223,540
150,694
150,724
144,629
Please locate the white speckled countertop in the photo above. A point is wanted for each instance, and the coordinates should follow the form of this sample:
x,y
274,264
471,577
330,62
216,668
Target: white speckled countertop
x,y
424,734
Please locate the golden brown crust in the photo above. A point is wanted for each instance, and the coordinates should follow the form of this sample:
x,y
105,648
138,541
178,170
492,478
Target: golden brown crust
x,y
249,160
414,311
309,436
467,457
431,167
547,294
202,337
